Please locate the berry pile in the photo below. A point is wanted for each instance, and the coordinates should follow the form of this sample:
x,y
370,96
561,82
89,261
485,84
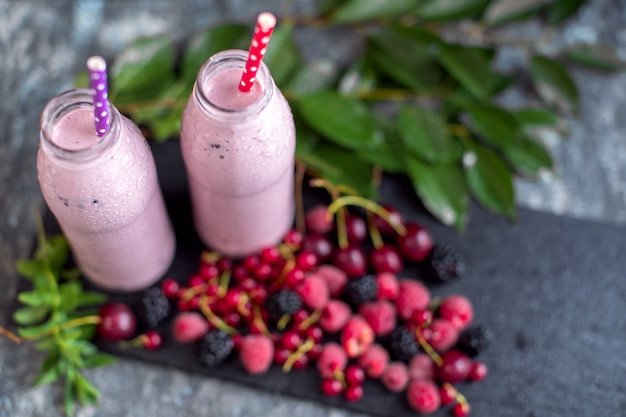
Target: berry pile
x,y
332,299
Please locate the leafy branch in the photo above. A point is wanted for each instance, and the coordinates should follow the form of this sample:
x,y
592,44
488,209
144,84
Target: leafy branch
x,y
58,316
412,102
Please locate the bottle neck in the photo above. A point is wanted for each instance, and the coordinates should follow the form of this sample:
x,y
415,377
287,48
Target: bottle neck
x,y
216,88
77,104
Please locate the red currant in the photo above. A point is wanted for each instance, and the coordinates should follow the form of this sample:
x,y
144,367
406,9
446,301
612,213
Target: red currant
x,y
461,409
331,387
153,340
477,372
354,375
170,287
353,393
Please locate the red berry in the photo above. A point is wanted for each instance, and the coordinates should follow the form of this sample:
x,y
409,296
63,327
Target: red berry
x,y
251,262
208,271
294,277
263,271
388,287
351,260
458,310
421,366
421,317
256,352
281,355
152,340
412,296
353,393
189,327
354,375
293,237
395,217
423,396
291,340
374,360
316,221
334,316
477,372
331,387
416,244
170,287
461,409
356,229
270,255
395,377
301,363
380,315
314,291
224,264
448,394
332,359
320,245
117,321
335,278
315,333
456,366
315,351
357,336
386,259
306,260
441,334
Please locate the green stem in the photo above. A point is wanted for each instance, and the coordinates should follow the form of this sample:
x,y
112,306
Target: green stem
x,y
369,205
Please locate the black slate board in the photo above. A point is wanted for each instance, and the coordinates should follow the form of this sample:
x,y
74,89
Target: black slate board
x,y
551,289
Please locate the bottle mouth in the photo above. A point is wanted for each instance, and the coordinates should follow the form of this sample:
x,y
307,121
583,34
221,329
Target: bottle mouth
x,y
225,60
61,106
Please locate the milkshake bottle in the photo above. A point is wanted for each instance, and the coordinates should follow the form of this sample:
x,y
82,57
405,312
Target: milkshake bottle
x,y
104,194
238,150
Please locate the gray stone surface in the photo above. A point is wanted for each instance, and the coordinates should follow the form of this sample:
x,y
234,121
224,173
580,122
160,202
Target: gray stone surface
x,y
44,43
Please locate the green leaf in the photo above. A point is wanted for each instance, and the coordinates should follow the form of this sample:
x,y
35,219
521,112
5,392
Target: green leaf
x,y
37,298
390,156
33,331
205,44
352,11
495,124
528,157
554,84
82,80
600,57
536,117
469,66
442,190
98,360
54,252
31,269
360,78
51,369
489,179
87,393
387,50
424,133
69,393
345,121
506,11
340,167
142,65
561,10
83,347
283,56
90,298
26,316
313,78
68,295
447,10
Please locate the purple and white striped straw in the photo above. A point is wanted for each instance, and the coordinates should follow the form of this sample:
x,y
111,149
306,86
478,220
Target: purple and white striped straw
x,y
97,67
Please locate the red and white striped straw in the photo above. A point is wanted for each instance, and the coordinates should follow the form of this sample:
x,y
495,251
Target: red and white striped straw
x,y
263,31
97,67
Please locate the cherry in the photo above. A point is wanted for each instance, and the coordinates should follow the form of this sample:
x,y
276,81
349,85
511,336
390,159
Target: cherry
x,y
331,387
281,356
356,229
354,375
395,217
416,244
117,322
447,393
386,259
318,244
316,221
351,260
291,340
456,366
314,333
477,372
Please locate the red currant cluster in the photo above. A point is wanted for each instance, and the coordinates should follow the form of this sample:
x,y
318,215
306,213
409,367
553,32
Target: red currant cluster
x,y
331,298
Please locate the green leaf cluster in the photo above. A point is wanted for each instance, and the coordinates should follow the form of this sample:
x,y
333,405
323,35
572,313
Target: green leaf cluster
x,y
412,102
58,315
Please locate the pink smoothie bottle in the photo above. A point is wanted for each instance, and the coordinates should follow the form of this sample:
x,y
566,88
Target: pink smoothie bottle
x,y
104,194
238,149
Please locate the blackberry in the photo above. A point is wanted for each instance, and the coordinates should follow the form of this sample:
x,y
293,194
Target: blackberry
x,y
214,348
282,302
446,263
361,290
402,344
152,308
474,340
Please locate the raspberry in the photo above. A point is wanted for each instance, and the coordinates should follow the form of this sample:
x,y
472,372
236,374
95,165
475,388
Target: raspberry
x,y
256,352
388,288
474,340
402,344
189,327
313,291
374,360
423,396
361,290
214,348
458,310
380,315
332,360
334,316
421,366
316,221
395,377
441,334
356,336
335,278
446,263
412,296
282,302
153,307
456,366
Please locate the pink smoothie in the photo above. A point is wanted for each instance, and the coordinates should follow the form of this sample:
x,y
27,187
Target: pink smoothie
x,y
239,152
110,208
